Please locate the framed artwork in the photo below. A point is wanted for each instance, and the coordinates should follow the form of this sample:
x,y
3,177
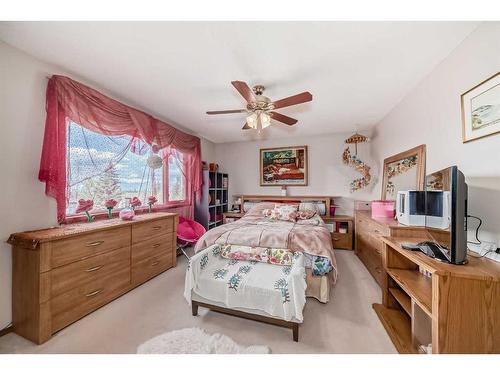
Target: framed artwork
x,y
283,166
481,110
403,171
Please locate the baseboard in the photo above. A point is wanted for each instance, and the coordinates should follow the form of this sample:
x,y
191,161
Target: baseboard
x,y
6,330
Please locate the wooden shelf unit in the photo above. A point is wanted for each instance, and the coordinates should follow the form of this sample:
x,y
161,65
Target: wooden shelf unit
x,y
460,303
403,299
417,286
398,326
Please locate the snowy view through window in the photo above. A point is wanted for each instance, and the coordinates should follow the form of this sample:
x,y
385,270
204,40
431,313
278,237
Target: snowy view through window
x,y
102,167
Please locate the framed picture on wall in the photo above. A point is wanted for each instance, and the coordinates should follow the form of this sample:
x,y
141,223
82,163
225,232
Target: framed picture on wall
x,y
481,110
283,166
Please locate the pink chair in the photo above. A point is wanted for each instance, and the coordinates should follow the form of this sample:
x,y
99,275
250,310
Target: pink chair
x,y
188,233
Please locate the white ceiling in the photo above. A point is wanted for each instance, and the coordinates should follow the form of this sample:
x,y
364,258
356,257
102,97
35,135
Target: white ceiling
x,y
356,71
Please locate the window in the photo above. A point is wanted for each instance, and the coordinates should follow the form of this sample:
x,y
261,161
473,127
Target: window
x,y
102,167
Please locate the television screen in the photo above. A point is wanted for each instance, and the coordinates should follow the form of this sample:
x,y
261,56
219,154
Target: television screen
x,y
446,212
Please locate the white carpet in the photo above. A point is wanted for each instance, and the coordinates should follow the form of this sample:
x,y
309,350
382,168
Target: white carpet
x,y
196,341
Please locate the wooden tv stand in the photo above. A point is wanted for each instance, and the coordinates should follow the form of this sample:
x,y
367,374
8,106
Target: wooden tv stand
x,y
454,308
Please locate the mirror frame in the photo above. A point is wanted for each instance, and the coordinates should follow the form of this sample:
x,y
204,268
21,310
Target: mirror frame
x,y
420,152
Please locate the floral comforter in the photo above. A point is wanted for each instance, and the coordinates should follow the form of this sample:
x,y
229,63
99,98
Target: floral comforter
x,y
277,290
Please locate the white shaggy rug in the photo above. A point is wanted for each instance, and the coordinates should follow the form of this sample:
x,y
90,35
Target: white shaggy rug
x,y
196,341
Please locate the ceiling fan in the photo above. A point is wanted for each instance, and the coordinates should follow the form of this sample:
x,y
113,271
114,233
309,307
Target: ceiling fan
x,y
260,109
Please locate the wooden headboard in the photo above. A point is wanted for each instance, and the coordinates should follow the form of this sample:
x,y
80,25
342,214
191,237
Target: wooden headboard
x,y
279,199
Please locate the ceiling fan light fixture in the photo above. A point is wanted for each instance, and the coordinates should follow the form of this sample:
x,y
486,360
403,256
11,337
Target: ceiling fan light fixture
x,y
260,109
252,120
265,119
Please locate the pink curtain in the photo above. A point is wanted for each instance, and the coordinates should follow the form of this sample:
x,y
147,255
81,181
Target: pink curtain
x,y
71,100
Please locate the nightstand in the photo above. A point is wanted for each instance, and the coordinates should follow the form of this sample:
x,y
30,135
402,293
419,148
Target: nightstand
x,y
229,217
339,223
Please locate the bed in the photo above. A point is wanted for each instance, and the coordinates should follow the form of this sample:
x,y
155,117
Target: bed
x,y
307,239
269,293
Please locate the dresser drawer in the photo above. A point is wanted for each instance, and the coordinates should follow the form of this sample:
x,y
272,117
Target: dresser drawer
x,y
147,268
377,229
342,240
78,302
144,231
86,245
82,272
362,224
370,257
154,246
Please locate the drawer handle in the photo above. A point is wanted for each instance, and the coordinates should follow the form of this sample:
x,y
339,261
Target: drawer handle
x,y
156,245
94,268
335,238
157,227
94,293
95,243
155,263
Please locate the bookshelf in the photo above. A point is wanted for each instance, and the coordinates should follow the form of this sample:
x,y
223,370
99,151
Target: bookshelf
x,y
214,200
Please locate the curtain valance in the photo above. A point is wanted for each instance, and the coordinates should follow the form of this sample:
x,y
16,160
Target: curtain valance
x,y
67,99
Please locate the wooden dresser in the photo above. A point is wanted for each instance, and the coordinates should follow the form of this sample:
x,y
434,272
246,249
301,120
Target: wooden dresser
x,y
62,274
368,240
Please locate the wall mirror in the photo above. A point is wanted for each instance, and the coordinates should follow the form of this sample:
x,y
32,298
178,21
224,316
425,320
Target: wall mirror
x,y
404,171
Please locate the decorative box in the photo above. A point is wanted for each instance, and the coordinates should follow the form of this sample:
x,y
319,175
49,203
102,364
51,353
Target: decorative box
x,y
384,209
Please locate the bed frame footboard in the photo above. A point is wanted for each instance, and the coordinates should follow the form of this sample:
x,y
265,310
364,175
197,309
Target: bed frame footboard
x,y
294,326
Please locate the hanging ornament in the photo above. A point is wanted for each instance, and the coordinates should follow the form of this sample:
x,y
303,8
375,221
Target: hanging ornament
x,y
354,162
154,160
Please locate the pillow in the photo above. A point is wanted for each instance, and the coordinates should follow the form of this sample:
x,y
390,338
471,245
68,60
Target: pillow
x,y
305,214
282,257
286,212
259,207
310,206
271,213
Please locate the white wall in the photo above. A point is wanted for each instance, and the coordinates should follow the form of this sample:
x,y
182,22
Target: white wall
x,y
207,150
22,118
327,175
430,114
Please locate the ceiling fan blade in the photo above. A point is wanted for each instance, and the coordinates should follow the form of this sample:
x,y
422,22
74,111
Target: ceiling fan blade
x,y
293,100
226,112
282,118
245,127
244,90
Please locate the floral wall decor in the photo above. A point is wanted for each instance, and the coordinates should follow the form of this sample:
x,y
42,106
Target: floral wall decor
x,y
354,162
